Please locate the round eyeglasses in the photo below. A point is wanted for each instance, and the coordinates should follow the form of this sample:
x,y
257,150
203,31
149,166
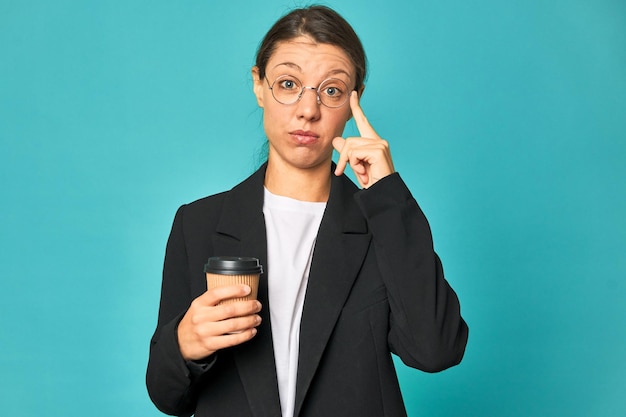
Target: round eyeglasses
x,y
287,89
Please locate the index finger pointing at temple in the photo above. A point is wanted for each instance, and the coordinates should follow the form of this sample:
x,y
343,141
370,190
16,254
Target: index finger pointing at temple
x,y
363,125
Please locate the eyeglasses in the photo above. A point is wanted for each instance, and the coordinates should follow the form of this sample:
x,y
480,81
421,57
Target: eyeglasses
x,y
287,89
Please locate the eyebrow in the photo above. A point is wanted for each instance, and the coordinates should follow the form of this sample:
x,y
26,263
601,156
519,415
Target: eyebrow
x,y
298,68
289,64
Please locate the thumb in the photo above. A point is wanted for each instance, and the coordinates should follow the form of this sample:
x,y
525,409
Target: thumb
x,y
338,143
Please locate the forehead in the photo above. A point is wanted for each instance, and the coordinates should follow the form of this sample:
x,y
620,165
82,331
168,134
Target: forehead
x,y
306,56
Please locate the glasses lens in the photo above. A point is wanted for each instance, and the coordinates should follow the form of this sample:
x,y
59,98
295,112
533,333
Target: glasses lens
x,y
333,92
286,89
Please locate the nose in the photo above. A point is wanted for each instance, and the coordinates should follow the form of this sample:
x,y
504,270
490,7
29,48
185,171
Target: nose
x,y
309,104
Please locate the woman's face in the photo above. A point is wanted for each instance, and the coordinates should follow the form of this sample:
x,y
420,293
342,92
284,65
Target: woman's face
x,y
301,134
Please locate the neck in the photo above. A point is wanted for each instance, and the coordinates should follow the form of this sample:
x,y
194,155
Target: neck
x,y
311,184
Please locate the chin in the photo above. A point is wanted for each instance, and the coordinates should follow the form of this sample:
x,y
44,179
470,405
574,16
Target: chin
x,y
310,161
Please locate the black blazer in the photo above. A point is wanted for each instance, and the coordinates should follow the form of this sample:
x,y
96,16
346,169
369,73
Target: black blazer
x,y
375,286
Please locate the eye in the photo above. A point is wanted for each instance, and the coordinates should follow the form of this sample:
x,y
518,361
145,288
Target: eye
x,y
288,84
333,89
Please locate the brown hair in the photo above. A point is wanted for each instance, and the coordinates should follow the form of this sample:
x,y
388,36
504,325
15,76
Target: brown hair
x,y
323,25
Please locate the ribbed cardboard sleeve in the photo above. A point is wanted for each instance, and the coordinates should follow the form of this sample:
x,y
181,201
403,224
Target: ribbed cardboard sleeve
x,y
218,280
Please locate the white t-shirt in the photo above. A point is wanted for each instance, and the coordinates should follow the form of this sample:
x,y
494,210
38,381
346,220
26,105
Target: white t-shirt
x,y
292,227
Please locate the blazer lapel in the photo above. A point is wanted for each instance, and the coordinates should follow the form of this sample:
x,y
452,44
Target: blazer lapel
x,y
241,232
340,248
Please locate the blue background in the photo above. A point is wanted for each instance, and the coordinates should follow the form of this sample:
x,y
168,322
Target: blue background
x,y
506,119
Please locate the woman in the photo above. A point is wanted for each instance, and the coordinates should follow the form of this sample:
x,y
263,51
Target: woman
x,y
350,275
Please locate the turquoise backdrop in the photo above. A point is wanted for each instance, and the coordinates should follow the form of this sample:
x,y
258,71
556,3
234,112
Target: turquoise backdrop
x,y
506,118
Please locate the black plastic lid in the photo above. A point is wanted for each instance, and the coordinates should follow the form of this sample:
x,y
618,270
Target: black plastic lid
x,y
233,265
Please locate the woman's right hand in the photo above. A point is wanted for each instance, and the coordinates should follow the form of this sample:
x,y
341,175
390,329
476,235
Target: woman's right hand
x,y
208,327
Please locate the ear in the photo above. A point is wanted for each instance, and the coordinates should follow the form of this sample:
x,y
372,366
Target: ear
x,y
258,86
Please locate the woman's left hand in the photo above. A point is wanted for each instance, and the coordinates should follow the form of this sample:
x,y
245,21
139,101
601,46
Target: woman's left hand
x,y
368,155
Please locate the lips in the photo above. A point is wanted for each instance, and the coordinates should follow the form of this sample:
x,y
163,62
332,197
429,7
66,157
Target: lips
x,y
304,137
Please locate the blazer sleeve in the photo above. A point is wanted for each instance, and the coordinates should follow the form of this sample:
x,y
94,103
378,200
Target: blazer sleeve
x,y
170,380
426,329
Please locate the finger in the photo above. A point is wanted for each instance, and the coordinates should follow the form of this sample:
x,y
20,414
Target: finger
x,y
340,146
362,124
232,309
369,159
214,296
358,162
207,345
230,339
351,153
237,324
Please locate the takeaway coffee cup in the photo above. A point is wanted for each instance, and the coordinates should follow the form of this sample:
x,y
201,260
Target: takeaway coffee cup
x,y
232,270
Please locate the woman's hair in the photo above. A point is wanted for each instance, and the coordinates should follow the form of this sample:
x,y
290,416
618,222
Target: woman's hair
x,y
323,25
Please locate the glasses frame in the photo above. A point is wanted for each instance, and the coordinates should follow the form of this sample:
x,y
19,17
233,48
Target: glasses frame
x,y
304,87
